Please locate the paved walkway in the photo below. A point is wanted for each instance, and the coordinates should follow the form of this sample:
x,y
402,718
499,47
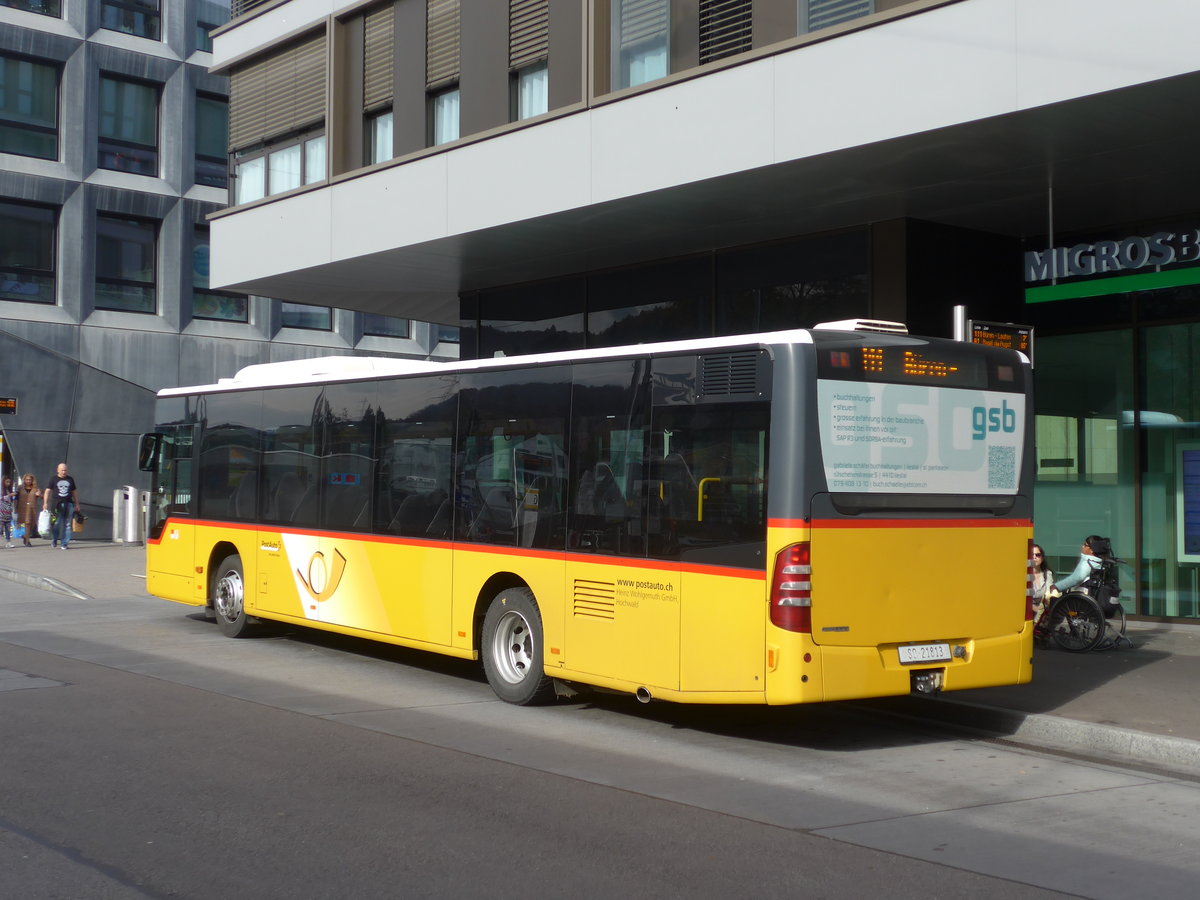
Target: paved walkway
x,y
1138,705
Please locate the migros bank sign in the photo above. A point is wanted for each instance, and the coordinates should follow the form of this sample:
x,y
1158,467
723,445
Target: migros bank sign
x,y
1134,263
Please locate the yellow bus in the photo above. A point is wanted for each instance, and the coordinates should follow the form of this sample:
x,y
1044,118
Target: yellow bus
x,y
820,514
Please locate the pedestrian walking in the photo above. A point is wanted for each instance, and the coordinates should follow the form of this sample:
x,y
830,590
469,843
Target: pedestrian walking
x,y
28,503
63,495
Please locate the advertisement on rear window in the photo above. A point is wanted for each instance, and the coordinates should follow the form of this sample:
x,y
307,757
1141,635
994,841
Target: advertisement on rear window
x,y
908,438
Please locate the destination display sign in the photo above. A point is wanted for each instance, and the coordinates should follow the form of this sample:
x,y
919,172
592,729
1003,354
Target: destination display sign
x,y
8,406
1002,334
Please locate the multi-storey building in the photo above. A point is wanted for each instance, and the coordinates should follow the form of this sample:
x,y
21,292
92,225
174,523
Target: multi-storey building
x,y
554,174
113,139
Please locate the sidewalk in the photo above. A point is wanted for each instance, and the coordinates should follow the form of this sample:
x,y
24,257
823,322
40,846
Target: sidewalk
x,y
1131,705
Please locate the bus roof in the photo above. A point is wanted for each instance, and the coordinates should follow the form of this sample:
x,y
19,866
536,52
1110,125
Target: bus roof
x,y
323,369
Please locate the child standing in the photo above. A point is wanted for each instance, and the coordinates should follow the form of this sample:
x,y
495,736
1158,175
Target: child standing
x,y
7,498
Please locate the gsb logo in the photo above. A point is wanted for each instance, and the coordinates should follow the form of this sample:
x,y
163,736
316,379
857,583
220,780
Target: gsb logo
x,y
992,418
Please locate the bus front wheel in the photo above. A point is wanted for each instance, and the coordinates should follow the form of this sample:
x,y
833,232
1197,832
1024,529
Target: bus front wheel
x,y
513,649
229,598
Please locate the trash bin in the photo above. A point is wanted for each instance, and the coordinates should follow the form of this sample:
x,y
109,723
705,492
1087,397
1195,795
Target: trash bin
x,y
127,515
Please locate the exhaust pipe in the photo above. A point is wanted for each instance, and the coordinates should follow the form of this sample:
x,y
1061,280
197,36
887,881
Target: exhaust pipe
x,y
643,695
928,681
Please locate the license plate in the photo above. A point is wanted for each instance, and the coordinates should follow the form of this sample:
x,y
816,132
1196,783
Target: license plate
x,y
923,653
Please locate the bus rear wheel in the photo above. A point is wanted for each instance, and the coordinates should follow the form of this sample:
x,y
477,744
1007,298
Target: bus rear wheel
x,y
513,649
229,598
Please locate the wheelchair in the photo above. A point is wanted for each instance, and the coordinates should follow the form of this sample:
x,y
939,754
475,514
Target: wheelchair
x,y
1089,616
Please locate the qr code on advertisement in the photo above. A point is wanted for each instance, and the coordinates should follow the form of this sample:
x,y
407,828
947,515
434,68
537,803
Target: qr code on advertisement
x,y
1002,467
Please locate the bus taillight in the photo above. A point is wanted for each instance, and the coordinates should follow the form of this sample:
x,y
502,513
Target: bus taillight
x,y
1029,582
791,589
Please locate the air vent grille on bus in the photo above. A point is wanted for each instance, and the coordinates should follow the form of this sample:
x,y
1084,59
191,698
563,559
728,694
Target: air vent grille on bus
x,y
724,374
595,599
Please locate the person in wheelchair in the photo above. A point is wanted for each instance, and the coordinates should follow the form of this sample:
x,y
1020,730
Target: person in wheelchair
x,y
1092,553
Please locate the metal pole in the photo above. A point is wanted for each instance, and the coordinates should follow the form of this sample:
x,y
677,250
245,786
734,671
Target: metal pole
x,y
960,322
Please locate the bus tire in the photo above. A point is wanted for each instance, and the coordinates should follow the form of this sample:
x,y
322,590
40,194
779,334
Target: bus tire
x,y
229,597
513,649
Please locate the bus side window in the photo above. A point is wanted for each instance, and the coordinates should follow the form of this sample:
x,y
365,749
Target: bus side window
x,y
708,471
605,507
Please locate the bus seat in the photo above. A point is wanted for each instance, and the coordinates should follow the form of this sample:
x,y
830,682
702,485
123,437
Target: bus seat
x,y
245,496
288,494
439,526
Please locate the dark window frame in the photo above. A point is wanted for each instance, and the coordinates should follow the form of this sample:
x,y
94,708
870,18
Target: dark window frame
x,y
52,8
119,282
144,155
207,293
131,10
36,274
31,128
207,165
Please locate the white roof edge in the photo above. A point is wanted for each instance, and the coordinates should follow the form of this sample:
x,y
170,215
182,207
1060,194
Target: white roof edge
x,y
322,369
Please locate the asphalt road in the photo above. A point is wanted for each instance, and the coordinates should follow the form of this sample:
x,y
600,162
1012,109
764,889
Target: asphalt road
x,y
143,755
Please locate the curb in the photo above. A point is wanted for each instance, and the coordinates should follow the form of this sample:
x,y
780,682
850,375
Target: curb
x,y
44,582
1104,743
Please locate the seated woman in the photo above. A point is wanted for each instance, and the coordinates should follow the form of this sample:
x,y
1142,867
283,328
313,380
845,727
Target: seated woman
x,y
1094,550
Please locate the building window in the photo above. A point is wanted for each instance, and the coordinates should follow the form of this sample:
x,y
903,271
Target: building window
x,y
301,315
128,126
818,14
210,14
443,110
212,141
385,326
379,137
207,303
285,168
140,17
279,167
27,252
447,334
42,7
640,41
531,87
28,108
125,258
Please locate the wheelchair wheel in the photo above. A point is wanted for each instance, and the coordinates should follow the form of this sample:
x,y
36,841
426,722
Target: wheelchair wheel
x,y
1076,623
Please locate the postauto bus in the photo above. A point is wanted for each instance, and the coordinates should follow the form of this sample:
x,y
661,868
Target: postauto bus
x,y
821,514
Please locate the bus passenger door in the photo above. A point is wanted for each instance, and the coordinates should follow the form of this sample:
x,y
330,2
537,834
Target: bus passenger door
x,y
171,567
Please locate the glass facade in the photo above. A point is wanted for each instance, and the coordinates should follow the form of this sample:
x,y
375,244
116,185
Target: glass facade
x,y
1117,389
206,303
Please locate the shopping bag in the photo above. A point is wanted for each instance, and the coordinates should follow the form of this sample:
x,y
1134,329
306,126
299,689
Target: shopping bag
x,y
77,524
44,522
18,531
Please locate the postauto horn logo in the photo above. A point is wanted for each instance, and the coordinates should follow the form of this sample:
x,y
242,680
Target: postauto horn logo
x,y
990,419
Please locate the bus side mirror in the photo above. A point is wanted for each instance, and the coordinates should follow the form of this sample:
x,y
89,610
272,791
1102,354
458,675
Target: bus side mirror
x,y
148,450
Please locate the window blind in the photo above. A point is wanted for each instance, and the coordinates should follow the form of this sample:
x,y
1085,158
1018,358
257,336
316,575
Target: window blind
x,y
442,39
379,39
643,19
725,28
528,32
277,94
825,13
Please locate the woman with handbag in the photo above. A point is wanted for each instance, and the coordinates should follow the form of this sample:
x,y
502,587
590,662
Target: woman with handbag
x,y
28,503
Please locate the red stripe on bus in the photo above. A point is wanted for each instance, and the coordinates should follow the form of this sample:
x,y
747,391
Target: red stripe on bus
x,y
664,565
